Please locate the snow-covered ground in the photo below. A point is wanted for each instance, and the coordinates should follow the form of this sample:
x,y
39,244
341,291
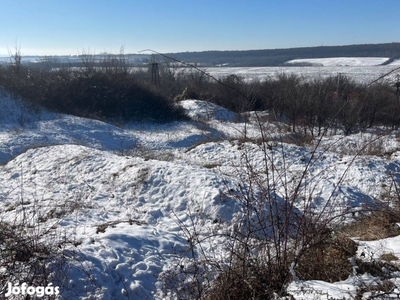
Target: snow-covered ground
x,y
341,61
361,69
124,194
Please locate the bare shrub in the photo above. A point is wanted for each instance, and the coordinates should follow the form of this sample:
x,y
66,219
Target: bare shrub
x,y
377,290
33,247
22,256
29,255
275,234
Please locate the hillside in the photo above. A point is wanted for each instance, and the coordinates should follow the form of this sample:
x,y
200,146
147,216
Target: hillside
x,y
278,57
245,58
130,212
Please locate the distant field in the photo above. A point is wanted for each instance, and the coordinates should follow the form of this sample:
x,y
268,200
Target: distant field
x,y
361,69
342,61
362,74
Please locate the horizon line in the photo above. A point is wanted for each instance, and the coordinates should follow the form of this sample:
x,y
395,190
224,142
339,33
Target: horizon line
x,y
4,55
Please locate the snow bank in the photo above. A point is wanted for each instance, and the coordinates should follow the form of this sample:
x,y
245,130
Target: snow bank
x,y
206,111
122,212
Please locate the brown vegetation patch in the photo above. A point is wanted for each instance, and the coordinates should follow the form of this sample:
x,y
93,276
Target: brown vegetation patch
x,y
328,261
389,257
243,281
375,226
102,227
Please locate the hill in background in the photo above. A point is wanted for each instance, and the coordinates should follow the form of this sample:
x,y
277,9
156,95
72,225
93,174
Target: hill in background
x,y
246,58
278,57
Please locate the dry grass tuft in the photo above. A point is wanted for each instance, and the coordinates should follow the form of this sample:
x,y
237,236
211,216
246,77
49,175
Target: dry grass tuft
x,y
328,261
389,257
375,226
243,281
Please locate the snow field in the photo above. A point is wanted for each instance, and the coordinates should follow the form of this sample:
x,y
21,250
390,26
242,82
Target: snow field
x,y
342,61
143,200
98,185
361,69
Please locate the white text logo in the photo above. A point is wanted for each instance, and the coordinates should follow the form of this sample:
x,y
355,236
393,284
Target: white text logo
x,y
38,291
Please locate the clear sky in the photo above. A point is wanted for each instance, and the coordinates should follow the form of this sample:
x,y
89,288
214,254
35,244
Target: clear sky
x,y
55,27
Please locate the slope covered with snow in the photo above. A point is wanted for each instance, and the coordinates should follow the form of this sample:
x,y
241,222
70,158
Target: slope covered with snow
x,y
123,196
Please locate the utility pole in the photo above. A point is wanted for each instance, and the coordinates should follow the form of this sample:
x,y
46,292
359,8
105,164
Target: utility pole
x,y
339,75
155,74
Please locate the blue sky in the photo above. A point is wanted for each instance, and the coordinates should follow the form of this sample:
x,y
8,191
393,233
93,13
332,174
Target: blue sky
x,y
54,27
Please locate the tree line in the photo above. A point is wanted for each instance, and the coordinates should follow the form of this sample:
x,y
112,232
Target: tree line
x,y
310,105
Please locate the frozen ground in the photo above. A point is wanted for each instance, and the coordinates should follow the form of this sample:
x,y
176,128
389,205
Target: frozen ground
x,y
361,69
124,194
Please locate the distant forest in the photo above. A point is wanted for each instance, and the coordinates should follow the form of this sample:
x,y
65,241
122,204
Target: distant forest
x,y
278,57
248,58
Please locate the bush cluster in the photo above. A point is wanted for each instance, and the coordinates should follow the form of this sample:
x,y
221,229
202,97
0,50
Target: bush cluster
x,y
106,92
335,102
111,89
314,104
